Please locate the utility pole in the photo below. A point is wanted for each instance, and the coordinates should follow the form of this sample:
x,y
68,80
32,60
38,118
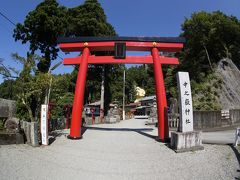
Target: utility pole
x,y
123,94
102,95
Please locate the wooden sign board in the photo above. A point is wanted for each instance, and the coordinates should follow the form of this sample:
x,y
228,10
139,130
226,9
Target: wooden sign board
x,y
44,124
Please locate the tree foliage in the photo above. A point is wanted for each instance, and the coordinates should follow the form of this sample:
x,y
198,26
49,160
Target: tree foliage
x,y
7,90
89,19
209,38
30,87
141,76
48,21
41,29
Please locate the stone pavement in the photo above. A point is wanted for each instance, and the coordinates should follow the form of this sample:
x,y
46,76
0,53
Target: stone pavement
x,y
219,137
126,150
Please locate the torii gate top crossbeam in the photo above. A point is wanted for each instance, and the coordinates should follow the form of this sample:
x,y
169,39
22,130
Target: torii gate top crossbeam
x,y
168,44
77,44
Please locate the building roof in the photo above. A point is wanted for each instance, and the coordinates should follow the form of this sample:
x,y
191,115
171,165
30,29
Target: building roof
x,y
142,107
132,104
97,103
147,98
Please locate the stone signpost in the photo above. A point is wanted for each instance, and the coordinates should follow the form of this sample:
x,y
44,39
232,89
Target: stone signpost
x,y
186,139
185,100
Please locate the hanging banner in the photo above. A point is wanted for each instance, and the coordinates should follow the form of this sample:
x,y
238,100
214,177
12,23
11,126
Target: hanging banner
x,y
185,102
44,124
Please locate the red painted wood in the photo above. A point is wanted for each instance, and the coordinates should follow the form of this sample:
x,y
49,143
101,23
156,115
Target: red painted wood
x,y
130,46
76,123
160,94
128,60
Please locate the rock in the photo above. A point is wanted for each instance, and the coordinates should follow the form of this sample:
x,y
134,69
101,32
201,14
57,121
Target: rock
x,y
11,138
7,108
19,138
12,125
229,93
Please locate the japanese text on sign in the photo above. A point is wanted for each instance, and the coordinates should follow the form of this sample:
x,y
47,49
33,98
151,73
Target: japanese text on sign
x,y
185,100
44,124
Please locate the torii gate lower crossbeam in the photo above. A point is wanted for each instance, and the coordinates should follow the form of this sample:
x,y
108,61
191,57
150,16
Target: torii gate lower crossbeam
x,y
154,45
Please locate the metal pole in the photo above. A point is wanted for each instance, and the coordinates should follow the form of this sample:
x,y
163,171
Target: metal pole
x,y
76,123
124,93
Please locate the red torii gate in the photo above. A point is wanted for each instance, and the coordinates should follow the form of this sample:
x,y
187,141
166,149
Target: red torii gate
x,y
120,45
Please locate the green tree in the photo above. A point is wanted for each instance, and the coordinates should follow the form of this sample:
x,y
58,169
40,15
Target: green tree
x,y
209,38
5,71
7,90
61,94
89,19
30,87
142,76
48,21
41,29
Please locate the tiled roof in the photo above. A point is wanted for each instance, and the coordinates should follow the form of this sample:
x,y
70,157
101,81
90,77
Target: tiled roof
x,y
148,98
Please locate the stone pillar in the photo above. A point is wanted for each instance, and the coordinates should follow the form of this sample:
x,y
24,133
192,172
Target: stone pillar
x,y
28,133
34,134
186,139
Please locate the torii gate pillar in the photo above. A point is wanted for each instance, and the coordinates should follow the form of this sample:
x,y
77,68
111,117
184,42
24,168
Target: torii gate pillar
x,y
76,123
163,130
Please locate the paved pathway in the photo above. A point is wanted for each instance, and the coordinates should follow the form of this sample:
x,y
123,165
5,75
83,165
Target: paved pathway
x,y
219,137
116,151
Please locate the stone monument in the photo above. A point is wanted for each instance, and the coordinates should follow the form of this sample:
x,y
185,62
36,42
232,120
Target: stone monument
x,y
11,134
152,119
113,115
186,139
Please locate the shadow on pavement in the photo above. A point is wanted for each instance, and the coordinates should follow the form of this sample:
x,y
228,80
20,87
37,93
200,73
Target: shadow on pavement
x,y
237,154
54,134
139,131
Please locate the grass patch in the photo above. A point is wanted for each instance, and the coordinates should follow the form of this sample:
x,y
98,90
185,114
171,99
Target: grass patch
x,y
228,157
1,125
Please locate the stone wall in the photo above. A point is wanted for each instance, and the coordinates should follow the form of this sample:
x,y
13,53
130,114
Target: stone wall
x,y
234,116
215,119
203,120
7,108
206,119
4,111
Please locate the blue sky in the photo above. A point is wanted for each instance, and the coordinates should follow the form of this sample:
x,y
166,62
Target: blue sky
x,y
129,18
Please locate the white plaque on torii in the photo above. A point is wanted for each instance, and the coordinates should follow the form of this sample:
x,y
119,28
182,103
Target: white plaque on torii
x,y
185,101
